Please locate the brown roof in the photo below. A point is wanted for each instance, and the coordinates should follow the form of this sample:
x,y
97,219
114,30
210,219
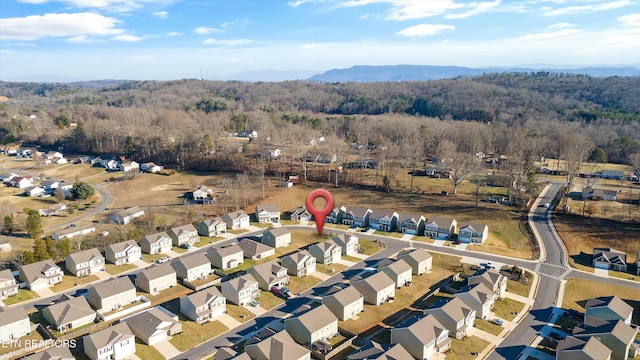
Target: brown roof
x,y
316,318
441,221
591,348
34,271
189,228
112,287
52,353
425,330
226,251
419,255
455,308
10,316
403,217
268,208
280,346
202,297
148,322
122,246
192,261
614,303
279,231
376,282
69,310
157,271
347,296
251,248
85,256
398,267
109,336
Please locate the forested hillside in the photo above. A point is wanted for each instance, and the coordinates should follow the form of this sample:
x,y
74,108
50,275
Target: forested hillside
x,y
184,122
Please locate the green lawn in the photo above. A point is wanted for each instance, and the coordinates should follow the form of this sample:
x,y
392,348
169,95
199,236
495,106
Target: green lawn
x,y
69,281
167,294
462,349
484,325
23,295
390,234
237,231
268,300
194,333
179,250
115,269
144,351
506,308
369,247
8,346
204,241
239,312
151,258
330,269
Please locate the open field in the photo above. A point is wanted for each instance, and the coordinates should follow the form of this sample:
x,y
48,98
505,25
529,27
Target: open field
x,y
578,291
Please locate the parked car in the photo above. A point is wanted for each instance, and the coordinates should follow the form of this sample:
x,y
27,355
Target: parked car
x,y
185,246
254,303
497,321
282,292
163,260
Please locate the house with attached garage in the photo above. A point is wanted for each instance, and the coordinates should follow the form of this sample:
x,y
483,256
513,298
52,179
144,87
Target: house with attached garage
x,y
301,214
601,194
611,174
125,252
455,315
14,323
479,298
440,228
571,348
192,267
41,274
8,284
151,167
154,325
185,234
236,220
601,310
112,294
419,259
33,191
69,313
608,258
254,250
356,216
269,274
128,166
383,220
300,263
399,271
204,305
202,193
409,223
115,342
345,303
349,244
127,215
227,257
315,325
373,350
422,337
85,263
491,279
376,289
326,252
212,227
277,237
156,278
268,213
336,214
158,243
241,290
472,233
21,182
274,346
618,336
54,210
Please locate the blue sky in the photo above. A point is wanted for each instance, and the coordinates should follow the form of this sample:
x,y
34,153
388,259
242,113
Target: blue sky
x,y
175,39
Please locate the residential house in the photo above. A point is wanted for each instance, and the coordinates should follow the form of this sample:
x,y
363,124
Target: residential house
x,y
8,284
202,193
326,252
68,314
227,257
356,217
21,182
608,258
204,305
269,274
109,164
477,297
372,350
440,228
53,210
301,214
128,166
158,243
247,134
572,348
241,290
33,191
376,289
112,294
72,232
227,353
423,337
41,274
52,353
156,278
472,233
616,335
192,267
126,216
315,325
254,250
154,325
212,227
455,315
383,220
419,259
409,223
300,263
277,346
399,271
125,252
335,216
151,167
185,234
268,213
601,310
491,279
349,244
236,220
271,152
601,194
345,303
116,342
85,263
14,323
277,237
612,174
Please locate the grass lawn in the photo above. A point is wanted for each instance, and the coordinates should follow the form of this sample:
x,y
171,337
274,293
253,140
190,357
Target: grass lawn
x,y
462,349
484,325
194,333
237,231
167,294
204,241
300,284
424,239
353,259
144,351
518,288
578,291
151,258
69,281
624,275
390,234
330,269
268,300
262,225
239,313
369,247
506,308
23,295
115,269
179,250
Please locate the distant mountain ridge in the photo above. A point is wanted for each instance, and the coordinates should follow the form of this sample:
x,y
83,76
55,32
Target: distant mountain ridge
x,y
366,73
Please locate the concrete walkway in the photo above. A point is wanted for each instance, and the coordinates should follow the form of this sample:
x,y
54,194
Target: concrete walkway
x,y
167,349
103,275
304,222
44,292
256,310
172,254
346,262
493,339
320,275
140,264
520,298
228,321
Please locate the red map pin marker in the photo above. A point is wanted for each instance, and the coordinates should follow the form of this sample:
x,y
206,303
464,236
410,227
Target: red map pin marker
x,y
319,215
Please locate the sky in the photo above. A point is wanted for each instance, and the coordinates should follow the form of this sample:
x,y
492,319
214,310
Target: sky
x,y
226,39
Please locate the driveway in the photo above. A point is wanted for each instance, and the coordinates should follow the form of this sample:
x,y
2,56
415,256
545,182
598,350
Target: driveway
x,y
44,292
167,349
228,321
256,310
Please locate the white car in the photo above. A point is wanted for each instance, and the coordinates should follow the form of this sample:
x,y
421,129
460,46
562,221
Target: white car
x,y
163,260
497,321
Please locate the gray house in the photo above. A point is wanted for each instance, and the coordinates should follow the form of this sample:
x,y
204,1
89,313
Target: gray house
x,y
212,227
156,278
68,314
227,257
192,267
85,263
204,305
269,274
277,237
112,294
185,234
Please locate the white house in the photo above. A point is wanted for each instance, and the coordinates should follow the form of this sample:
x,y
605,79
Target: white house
x,y
151,167
125,252
236,220
471,233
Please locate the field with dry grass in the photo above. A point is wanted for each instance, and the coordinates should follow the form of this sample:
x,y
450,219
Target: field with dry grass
x,y
578,291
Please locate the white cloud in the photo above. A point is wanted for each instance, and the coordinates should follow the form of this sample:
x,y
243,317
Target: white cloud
x,y
79,39
127,38
476,8
160,14
550,35
33,1
586,8
560,25
57,25
205,30
411,10
630,20
172,33
234,42
109,5
423,30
